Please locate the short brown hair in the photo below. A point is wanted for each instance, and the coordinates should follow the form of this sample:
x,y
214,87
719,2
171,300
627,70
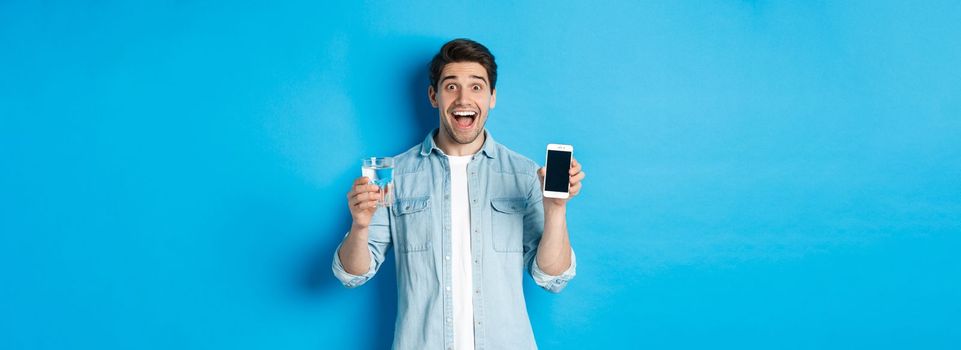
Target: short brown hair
x,y
463,50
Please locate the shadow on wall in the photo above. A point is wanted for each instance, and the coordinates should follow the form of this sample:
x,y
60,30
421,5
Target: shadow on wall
x,y
317,276
424,115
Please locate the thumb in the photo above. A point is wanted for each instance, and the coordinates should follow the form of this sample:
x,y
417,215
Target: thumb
x,y
541,173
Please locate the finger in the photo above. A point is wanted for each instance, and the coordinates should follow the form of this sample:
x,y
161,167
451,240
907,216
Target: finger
x,y
357,207
574,162
372,204
363,197
365,188
361,180
576,178
575,189
357,199
375,198
364,206
359,188
575,168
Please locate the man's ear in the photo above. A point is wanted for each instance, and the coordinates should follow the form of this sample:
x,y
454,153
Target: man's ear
x,y
432,96
493,98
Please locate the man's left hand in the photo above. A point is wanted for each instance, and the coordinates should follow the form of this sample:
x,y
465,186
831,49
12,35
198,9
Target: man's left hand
x,y
576,176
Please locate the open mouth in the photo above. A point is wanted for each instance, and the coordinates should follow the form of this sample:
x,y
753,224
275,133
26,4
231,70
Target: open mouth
x,y
464,119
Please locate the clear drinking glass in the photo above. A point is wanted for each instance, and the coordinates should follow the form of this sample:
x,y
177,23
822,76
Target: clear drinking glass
x,y
380,171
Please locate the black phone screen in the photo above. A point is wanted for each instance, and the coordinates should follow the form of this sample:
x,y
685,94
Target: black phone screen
x,y
558,171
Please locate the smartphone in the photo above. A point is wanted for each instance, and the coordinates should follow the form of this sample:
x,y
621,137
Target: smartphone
x,y
557,183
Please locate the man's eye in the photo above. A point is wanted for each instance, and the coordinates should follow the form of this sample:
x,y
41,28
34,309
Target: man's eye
x,y
477,88
451,87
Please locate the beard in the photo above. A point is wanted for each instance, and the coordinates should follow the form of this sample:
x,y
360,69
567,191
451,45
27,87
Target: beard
x,y
464,139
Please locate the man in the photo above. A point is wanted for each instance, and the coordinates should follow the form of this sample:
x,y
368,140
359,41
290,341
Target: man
x,y
469,217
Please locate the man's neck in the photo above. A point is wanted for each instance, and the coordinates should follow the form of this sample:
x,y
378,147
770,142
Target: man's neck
x,y
451,148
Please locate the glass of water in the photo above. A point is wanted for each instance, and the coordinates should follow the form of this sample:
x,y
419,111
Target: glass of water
x,y
380,171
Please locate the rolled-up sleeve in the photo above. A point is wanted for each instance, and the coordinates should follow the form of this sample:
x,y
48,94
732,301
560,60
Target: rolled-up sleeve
x,y
350,280
554,284
378,242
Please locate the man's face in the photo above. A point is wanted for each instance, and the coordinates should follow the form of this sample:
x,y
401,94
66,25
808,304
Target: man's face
x,y
463,96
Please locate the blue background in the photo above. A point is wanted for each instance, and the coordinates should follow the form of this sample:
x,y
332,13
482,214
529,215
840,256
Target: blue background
x,y
761,174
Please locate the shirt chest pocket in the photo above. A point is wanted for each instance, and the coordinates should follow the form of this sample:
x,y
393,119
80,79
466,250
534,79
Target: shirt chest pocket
x,y
412,221
507,224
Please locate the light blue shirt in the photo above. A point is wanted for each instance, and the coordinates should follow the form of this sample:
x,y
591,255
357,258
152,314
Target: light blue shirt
x,y
507,221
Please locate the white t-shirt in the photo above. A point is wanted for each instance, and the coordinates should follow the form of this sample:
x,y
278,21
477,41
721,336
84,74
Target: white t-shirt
x,y
461,276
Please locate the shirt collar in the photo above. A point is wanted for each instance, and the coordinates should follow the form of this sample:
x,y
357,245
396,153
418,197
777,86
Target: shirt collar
x,y
429,145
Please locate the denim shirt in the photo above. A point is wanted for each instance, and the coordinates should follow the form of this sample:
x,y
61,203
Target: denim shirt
x,y
507,221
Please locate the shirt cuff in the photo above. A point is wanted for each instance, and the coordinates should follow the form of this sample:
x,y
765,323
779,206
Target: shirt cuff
x,y
552,283
346,278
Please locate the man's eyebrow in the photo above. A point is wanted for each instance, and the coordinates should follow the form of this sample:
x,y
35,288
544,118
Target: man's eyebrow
x,y
472,76
479,77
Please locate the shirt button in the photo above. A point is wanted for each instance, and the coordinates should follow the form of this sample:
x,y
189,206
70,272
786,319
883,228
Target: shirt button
x,y
477,291
447,257
477,261
448,287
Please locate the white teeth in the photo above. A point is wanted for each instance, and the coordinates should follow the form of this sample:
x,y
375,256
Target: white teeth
x,y
464,114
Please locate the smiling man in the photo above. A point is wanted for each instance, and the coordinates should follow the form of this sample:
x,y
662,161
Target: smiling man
x,y
469,219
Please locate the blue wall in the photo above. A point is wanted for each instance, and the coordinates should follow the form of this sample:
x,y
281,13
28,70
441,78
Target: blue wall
x,y
762,174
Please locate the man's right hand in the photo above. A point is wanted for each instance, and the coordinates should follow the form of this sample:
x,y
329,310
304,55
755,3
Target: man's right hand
x,y
362,201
